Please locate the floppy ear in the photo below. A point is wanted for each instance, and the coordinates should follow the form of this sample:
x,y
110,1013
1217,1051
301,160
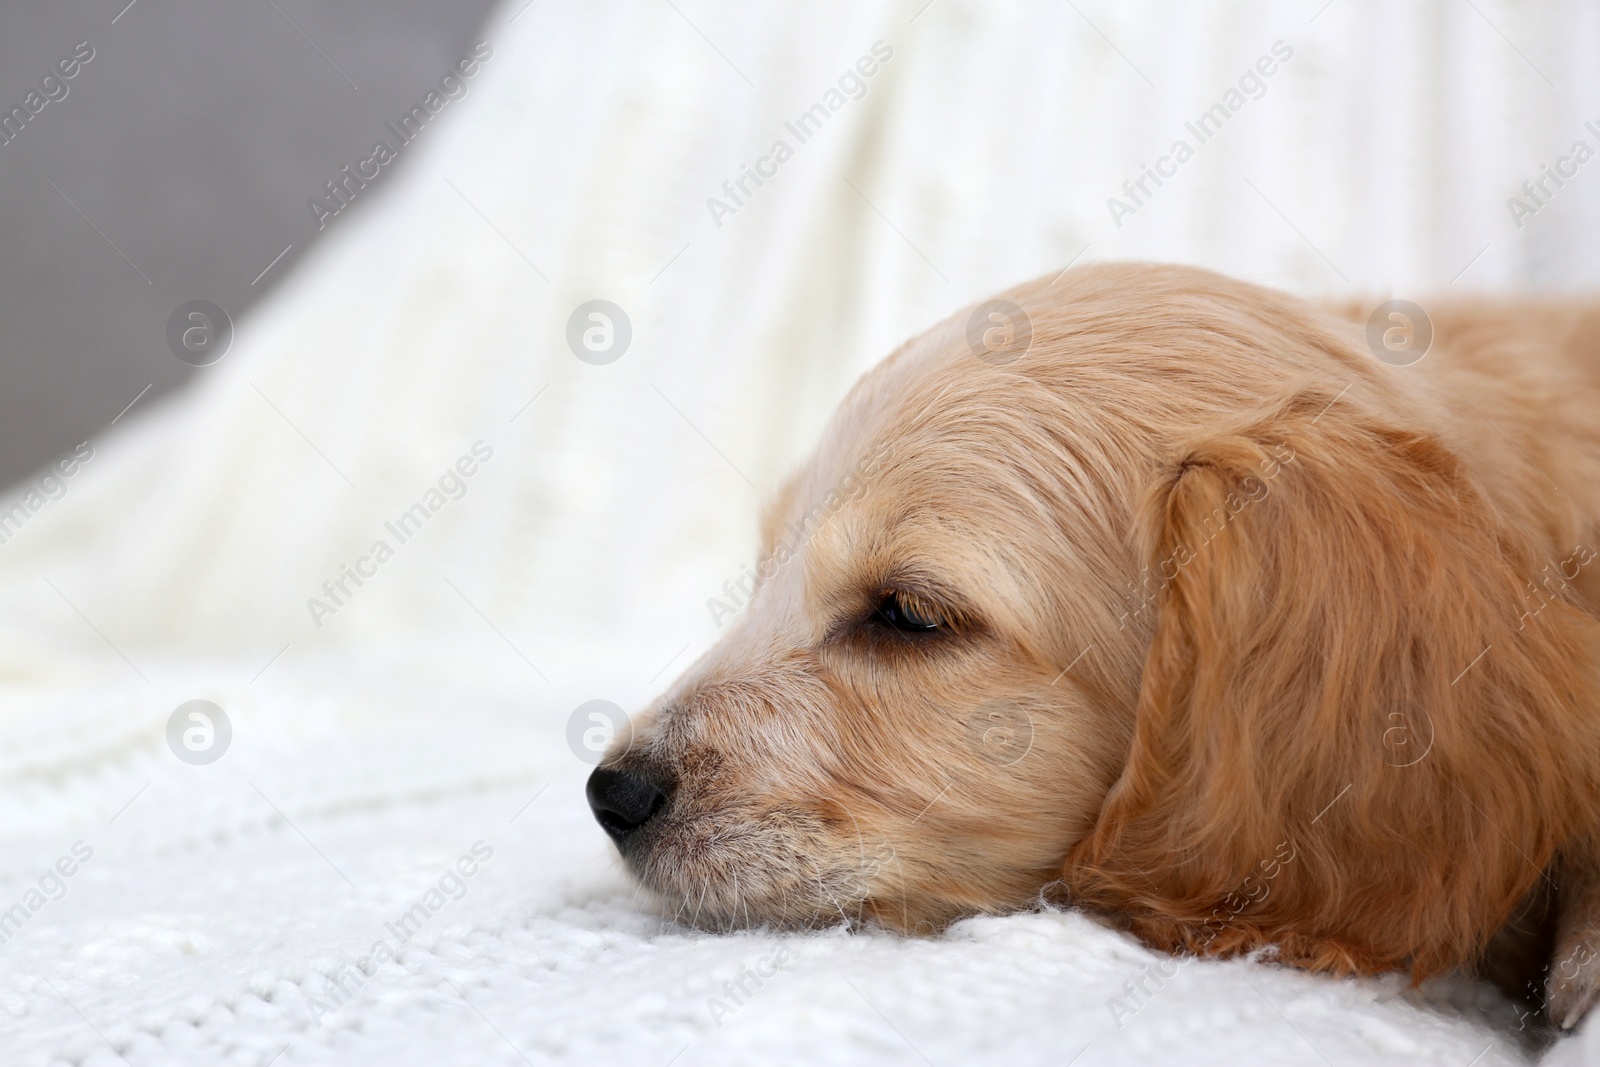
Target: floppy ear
x,y
1361,730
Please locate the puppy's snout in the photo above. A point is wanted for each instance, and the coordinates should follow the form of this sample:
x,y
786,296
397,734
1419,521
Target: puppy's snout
x,y
622,801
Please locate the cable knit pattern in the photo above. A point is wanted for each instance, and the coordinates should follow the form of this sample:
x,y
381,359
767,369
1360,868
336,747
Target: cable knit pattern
x,y
225,908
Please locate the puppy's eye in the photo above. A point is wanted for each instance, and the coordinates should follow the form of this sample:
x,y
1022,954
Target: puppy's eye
x,y
907,614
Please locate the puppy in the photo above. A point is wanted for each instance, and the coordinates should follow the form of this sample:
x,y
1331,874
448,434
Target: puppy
x,y
1183,601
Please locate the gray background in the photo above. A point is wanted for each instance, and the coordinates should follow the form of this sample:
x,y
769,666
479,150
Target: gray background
x,y
192,141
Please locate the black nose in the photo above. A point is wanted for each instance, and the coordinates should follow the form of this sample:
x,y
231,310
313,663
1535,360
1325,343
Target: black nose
x,y
622,802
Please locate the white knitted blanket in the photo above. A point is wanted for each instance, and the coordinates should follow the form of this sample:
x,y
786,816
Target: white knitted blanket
x,y
391,862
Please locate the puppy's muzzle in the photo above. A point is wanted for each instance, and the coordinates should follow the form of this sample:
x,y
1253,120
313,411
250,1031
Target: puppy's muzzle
x,y
623,802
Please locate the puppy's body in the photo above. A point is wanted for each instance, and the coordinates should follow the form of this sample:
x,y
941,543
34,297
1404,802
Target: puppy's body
x,y
1194,609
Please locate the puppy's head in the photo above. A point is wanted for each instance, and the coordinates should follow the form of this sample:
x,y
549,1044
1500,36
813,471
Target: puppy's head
x,y
1068,613
894,727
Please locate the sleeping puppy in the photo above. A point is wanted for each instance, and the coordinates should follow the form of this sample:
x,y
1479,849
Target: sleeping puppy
x,y
1164,595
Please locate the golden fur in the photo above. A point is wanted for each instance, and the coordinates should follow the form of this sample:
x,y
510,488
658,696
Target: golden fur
x,y
1246,638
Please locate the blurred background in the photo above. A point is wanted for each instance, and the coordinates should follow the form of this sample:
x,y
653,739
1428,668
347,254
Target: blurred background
x,y
193,146
397,223
380,326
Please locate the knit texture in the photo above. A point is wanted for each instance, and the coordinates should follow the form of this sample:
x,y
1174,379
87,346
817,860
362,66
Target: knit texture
x,y
377,739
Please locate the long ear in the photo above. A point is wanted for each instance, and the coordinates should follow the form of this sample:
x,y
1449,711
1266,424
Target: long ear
x,y
1362,731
